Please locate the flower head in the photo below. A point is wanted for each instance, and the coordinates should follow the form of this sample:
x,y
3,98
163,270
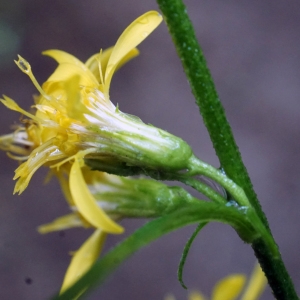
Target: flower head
x,y
87,213
98,199
75,181
232,286
75,117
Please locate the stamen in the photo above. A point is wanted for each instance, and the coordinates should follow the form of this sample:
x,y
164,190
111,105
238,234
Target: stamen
x,y
100,67
16,143
25,67
15,157
61,223
11,104
45,109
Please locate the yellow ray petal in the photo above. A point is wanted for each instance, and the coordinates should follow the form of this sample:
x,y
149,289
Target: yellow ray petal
x,y
132,36
229,288
65,71
61,223
170,297
84,258
196,296
63,57
86,203
256,284
93,62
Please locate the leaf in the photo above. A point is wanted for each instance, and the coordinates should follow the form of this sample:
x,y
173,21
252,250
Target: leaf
x,y
186,252
198,212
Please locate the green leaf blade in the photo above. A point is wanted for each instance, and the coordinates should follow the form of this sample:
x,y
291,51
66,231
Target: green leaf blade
x,y
202,212
186,252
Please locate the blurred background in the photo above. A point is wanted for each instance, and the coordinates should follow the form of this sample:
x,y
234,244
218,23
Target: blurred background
x,y
252,49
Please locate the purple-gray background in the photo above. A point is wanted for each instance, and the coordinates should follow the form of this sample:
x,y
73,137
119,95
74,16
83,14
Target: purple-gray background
x,y
252,48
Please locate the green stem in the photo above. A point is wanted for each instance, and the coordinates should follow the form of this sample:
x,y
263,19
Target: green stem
x,y
203,188
203,88
274,269
268,255
213,114
202,168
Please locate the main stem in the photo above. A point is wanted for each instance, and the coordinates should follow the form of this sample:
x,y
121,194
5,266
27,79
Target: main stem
x,y
213,114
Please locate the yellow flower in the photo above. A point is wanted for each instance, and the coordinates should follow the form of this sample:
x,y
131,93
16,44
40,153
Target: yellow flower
x,y
75,117
231,287
86,214
73,112
84,258
96,198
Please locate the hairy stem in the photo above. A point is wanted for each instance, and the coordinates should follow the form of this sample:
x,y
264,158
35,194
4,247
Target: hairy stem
x,y
202,85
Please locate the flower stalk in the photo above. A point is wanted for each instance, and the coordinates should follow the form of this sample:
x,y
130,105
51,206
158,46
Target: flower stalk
x,y
199,167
